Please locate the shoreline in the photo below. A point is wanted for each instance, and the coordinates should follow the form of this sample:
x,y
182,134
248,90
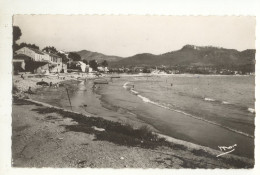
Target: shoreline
x,y
164,142
188,145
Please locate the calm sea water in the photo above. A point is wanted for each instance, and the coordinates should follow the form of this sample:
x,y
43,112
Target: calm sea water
x,y
207,110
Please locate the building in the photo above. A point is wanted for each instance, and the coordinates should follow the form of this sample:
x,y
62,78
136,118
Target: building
x,y
18,66
34,54
37,61
88,69
102,69
81,65
55,63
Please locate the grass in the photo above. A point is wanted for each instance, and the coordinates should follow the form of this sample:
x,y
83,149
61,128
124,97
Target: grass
x,y
18,101
115,132
201,152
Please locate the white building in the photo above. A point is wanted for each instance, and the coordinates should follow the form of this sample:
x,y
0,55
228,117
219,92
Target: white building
x,y
46,62
102,69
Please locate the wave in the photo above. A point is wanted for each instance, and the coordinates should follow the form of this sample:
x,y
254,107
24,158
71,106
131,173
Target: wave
x,y
251,110
225,102
147,100
131,89
125,85
209,99
135,92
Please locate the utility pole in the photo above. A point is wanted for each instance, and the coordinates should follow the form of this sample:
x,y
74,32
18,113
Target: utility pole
x,y
69,98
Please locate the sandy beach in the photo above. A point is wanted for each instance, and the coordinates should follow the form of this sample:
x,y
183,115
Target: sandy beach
x,y
48,136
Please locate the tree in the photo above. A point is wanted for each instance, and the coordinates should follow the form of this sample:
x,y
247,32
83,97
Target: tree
x,y
104,63
16,36
85,61
74,56
16,33
93,64
50,49
33,46
63,57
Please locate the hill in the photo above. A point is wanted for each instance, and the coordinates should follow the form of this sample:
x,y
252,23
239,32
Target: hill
x,y
191,55
99,57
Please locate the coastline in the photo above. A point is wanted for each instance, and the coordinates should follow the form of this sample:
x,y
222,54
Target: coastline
x,y
189,148
184,151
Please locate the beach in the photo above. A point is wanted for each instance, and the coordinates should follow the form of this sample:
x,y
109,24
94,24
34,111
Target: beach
x,y
96,102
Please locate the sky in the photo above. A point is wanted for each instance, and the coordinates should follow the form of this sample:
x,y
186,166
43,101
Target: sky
x,y
129,35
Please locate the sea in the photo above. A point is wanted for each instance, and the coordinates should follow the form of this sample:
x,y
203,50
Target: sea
x,y
208,110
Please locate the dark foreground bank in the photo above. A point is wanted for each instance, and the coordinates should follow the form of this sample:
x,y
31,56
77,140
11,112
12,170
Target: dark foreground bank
x,y
45,136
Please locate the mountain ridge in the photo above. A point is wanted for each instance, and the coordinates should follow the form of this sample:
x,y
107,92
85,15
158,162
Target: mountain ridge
x,y
191,55
89,55
188,55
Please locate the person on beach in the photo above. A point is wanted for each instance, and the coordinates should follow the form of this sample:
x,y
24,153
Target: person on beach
x,y
22,76
50,84
30,90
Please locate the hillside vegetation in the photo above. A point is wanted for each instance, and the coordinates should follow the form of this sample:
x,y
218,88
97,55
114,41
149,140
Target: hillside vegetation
x,y
99,57
189,55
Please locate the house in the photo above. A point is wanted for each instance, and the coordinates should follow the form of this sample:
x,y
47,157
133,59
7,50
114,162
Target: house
x,y
88,69
55,63
34,54
37,61
18,66
21,63
102,69
81,65
138,69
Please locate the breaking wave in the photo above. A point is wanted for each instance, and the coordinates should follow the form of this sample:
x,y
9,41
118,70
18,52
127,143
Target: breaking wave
x,y
209,99
135,92
147,100
225,102
125,85
251,110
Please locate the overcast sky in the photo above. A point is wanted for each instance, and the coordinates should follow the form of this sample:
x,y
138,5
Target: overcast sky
x,y
129,35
